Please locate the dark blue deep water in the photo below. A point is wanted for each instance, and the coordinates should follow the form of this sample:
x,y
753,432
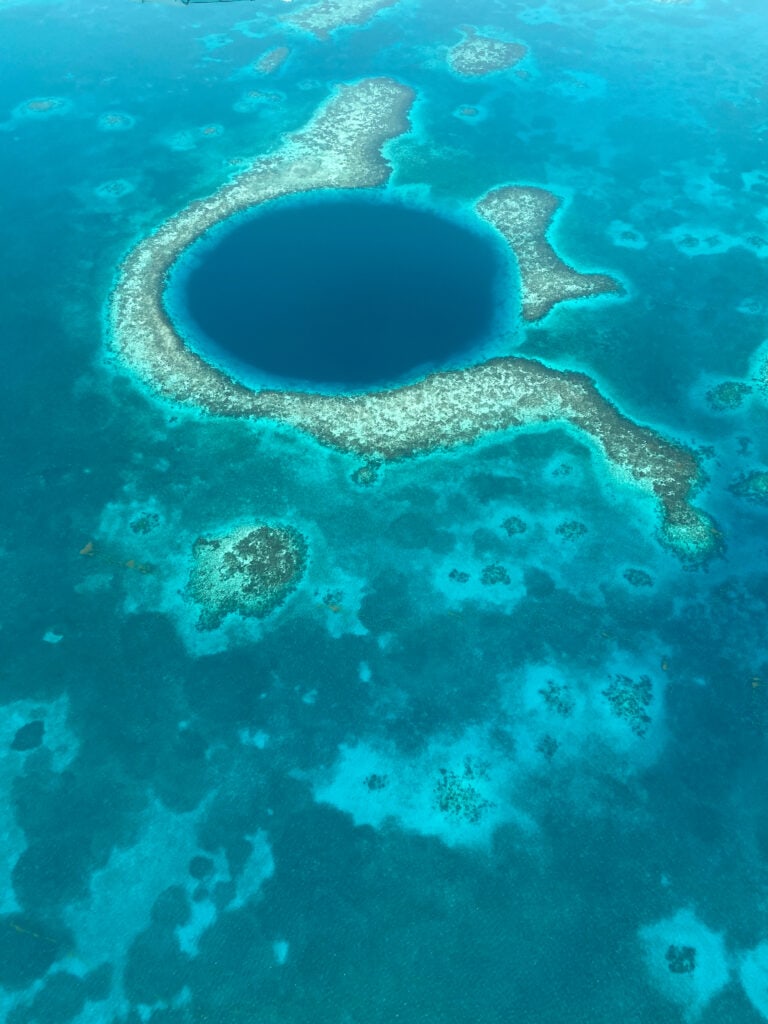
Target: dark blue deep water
x,y
501,757
348,293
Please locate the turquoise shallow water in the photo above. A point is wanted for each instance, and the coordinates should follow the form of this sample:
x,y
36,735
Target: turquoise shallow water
x,y
500,756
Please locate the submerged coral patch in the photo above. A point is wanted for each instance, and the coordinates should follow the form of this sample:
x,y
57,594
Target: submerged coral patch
x,y
687,962
270,61
115,121
728,395
752,486
248,571
115,189
42,107
477,55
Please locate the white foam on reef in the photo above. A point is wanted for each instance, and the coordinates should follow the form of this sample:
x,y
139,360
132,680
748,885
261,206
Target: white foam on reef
x,y
753,974
60,745
691,990
458,790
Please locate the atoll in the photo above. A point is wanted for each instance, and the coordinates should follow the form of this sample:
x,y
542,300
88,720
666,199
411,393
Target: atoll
x,y
523,215
341,148
248,571
478,55
324,16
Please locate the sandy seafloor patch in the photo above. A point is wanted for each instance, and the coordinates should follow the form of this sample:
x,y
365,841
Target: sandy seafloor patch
x,y
500,755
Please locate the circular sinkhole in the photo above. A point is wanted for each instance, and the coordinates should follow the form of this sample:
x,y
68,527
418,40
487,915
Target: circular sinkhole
x,y
339,294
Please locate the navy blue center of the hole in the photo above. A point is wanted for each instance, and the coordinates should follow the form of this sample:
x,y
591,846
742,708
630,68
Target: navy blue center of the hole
x,y
349,293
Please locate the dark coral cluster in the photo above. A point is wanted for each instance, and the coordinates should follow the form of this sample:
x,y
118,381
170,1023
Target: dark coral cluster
x,y
752,486
727,396
249,571
494,573
628,699
557,697
572,529
457,795
514,525
681,959
638,578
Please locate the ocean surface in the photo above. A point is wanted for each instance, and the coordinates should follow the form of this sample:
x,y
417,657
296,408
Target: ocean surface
x,y
500,756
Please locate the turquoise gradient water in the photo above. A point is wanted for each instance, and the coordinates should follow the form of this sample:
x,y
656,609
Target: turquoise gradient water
x,y
412,793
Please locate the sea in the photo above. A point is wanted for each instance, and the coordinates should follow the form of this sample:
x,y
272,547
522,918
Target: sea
x,y
500,755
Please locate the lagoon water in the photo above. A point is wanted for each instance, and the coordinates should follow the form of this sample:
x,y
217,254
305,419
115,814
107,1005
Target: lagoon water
x,y
500,754
344,292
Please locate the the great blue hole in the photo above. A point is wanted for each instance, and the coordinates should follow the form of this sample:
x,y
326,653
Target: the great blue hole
x,y
349,293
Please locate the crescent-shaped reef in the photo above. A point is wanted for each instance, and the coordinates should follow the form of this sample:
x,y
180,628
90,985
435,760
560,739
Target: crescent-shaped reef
x,y
341,148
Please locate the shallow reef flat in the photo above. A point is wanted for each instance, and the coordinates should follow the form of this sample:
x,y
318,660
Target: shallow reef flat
x,y
325,16
523,215
341,148
477,55
272,60
248,571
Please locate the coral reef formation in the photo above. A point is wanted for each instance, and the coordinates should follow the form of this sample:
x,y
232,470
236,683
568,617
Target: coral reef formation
x,y
571,529
752,486
457,795
270,61
558,698
248,571
514,525
325,16
628,699
478,55
727,396
341,148
638,578
523,215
